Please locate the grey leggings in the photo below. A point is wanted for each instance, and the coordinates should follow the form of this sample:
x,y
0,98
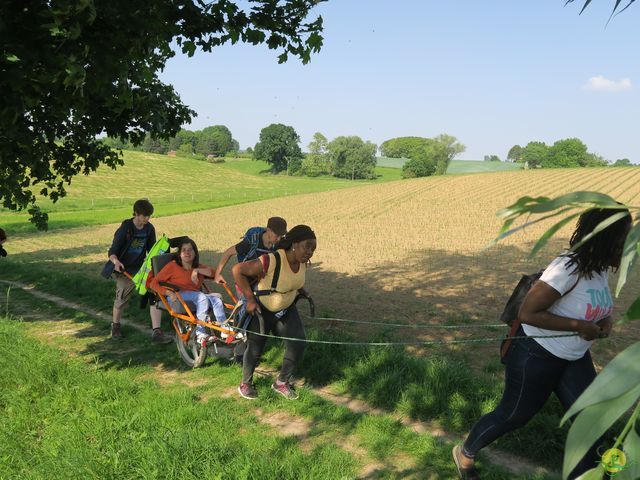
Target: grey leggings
x,y
289,325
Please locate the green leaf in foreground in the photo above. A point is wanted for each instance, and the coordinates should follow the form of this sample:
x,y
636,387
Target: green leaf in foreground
x,y
618,377
591,423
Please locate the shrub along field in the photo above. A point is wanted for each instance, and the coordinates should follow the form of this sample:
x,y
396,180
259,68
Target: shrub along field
x,y
410,252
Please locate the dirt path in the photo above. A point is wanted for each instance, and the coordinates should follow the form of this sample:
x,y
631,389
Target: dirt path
x,y
514,464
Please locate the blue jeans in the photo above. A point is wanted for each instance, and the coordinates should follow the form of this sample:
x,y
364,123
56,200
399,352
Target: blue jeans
x,y
532,375
203,302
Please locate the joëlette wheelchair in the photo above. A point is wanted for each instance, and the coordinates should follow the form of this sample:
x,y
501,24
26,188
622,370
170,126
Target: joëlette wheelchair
x,y
192,352
184,321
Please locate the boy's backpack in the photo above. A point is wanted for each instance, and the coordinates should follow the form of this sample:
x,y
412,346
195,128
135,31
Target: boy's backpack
x,y
512,307
252,237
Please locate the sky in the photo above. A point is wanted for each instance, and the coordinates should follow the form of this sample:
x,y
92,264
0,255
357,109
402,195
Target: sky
x,y
492,73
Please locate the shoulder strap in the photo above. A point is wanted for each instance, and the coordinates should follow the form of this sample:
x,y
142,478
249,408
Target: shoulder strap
x,y
276,271
128,237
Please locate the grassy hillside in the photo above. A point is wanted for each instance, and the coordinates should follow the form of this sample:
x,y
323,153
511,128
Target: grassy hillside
x,y
174,185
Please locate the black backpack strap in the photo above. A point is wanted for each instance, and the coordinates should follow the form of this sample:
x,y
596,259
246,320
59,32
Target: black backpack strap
x,y
128,238
276,271
274,280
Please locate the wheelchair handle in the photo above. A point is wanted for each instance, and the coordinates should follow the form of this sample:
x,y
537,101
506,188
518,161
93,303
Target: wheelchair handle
x,y
312,305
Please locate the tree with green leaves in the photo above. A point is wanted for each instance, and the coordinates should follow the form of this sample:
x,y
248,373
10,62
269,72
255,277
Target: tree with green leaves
x,y
403,147
317,161
216,140
515,154
424,161
622,162
534,154
430,155
451,148
278,146
491,158
155,145
352,158
73,70
570,152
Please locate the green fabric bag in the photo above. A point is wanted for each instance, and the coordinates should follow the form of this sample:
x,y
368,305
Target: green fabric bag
x,y
140,278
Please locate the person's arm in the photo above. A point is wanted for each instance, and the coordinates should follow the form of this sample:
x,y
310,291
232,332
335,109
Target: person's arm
x,y
534,311
119,240
228,253
164,275
606,324
244,271
201,270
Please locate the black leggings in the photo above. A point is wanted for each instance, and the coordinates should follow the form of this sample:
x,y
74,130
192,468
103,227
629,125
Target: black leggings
x,y
532,375
289,325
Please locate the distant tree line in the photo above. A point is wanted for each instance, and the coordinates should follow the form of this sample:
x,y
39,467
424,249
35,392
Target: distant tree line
x,y
569,152
427,156
343,157
215,141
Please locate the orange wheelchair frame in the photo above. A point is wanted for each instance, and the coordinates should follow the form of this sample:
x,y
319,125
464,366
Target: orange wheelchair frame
x,y
192,352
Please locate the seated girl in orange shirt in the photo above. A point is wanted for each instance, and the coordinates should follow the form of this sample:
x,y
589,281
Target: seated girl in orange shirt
x,y
187,273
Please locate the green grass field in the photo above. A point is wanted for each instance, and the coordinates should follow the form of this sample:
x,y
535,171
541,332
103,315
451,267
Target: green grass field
x,y
456,166
391,162
476,166
174,185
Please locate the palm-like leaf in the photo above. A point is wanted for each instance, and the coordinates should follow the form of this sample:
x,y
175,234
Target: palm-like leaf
x,y
614,12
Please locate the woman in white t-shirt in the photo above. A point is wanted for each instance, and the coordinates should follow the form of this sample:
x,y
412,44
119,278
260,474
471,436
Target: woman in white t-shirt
x,y
572,295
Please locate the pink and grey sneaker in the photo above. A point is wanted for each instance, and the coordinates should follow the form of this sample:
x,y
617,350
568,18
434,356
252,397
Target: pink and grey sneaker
x,y
285,389
248,391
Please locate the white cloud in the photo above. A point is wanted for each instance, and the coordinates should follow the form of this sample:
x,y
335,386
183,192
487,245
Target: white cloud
x,y
601,84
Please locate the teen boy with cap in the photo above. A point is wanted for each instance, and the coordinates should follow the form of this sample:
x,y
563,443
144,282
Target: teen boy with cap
x,y
255,242
131,242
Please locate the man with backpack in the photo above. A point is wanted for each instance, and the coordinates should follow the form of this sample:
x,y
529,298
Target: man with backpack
x,y
255,242
131,242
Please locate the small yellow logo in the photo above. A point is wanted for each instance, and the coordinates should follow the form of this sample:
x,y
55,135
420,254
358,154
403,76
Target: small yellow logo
x,y
614,461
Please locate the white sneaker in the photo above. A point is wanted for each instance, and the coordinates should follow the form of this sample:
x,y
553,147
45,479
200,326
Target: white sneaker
x,y
224,335
203,338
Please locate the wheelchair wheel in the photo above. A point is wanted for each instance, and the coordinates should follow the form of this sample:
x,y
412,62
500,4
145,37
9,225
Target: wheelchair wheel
x,y
191,351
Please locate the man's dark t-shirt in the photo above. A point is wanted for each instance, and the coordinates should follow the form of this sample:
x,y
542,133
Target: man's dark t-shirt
x,y
141,242
243,247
